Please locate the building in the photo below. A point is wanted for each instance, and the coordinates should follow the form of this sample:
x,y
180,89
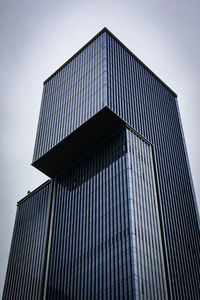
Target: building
x,y
118,219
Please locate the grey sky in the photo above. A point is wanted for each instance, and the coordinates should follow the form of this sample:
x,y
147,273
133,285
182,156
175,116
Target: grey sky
x,y
36,37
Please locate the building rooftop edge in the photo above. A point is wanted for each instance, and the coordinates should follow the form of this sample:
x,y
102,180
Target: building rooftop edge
x,y
33,192
125,47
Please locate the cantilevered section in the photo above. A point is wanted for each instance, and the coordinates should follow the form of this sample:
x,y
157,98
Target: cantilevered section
x,y
79,142
83,86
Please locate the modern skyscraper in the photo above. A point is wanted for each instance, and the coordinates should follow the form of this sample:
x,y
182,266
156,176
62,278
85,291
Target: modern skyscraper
x,y
118,219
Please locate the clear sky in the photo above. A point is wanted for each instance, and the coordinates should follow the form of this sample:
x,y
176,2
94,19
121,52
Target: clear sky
x,y
36,37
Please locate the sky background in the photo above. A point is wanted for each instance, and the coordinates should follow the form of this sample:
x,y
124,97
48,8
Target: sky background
x,y
36,37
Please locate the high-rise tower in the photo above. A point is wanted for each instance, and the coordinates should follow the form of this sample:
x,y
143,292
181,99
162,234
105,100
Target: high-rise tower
x,y
118,219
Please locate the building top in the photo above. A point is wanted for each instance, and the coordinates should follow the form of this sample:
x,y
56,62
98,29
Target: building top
x,y
30,194
128,50
103,73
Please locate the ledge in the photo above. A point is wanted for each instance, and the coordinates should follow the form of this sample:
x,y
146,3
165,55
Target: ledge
x,y
79,142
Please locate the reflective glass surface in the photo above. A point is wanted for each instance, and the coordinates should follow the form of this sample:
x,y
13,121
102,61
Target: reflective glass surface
x,y
72,96
105,240
136,95
24,271
104,73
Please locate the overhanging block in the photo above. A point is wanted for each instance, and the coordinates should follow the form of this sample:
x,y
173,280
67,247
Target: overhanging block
x,y
79,142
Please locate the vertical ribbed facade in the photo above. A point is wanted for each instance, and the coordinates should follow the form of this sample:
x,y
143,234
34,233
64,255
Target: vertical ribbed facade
x,y
145,103
150,277
120,220
24,271
105,241
73,95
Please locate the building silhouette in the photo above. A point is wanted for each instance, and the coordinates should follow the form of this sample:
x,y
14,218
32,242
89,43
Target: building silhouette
x,y
118,218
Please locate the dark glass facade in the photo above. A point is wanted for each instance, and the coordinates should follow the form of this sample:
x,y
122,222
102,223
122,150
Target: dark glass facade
x,y
151,108
72,96
120,220
105,241
26,259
